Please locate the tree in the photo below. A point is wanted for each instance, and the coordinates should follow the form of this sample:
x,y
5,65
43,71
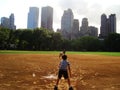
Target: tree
x,y
66,44
40,37
112,42
56,41
88,43
15,38
26,39
4,36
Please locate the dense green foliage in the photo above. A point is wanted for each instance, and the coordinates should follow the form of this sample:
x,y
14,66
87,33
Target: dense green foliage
x,y
112,42
4,36
42,39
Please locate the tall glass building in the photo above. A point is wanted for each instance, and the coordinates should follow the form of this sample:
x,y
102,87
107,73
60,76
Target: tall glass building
x,y
112,18
8,22
67,20
47,17
103,27
33,17
108,25
84,27
11,20
67,24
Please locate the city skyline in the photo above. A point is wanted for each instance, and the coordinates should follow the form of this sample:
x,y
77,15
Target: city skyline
x,y
90,9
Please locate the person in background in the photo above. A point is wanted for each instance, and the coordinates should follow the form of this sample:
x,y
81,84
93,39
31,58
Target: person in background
x,y
62,53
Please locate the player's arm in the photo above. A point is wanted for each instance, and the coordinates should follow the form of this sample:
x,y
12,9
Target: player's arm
x,y
60,55
69,69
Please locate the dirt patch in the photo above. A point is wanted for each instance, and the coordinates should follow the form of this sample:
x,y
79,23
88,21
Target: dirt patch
x,y
39,72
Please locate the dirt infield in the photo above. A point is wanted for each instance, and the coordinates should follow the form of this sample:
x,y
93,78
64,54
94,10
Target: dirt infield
x,y
39,71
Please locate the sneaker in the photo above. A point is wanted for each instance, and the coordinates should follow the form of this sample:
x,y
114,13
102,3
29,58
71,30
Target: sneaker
x,y
70,88
55,88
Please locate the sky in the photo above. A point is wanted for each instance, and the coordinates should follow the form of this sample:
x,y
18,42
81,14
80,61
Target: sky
x,y
91,9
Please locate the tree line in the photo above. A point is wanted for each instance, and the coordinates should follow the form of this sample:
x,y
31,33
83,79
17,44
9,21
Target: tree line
x,y
43,39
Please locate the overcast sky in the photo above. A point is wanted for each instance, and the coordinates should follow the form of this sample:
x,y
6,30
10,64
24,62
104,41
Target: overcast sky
x,y
91,9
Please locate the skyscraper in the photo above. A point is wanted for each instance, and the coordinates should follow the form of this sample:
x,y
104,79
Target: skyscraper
x,y
67,23
75,25
93,31
11,22
84,27
47,17
5,22
75,29
67,20
33,17
112,19
8,22
108,25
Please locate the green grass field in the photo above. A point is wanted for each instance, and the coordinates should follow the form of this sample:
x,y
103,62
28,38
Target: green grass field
x,y
57,52
26,52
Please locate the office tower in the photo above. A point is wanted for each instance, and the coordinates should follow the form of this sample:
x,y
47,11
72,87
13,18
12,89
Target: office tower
x,y
84,27
33,17
112,19
75,29
75,25
11,20
8,22
47,17
67,23
104,26
5,22
67,20
108,25
93,31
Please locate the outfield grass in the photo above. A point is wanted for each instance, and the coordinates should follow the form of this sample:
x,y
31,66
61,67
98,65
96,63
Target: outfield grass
x,y
98,53
57,52
26,52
